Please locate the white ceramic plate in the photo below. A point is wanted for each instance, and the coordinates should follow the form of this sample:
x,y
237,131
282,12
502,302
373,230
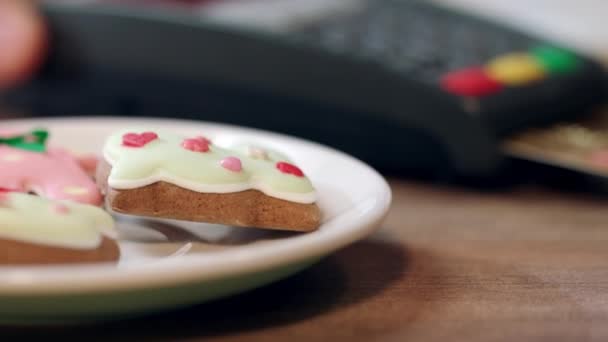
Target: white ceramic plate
x,y
170,264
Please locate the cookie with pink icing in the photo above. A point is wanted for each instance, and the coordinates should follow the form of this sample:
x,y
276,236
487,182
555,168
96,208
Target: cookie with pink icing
x,y
27,165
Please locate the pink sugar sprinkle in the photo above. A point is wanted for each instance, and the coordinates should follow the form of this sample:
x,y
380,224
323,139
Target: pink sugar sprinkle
x,y
196,145
232,163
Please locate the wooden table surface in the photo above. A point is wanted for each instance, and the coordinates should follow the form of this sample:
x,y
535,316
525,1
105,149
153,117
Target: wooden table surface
x,y
449,264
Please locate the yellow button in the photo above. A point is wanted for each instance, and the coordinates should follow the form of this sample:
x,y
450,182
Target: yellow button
x,y
515,69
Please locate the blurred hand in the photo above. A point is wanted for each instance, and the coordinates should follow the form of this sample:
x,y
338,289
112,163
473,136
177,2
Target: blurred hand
x,y
22,41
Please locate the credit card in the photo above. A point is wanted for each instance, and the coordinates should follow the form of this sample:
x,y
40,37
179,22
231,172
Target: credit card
x,y
580,146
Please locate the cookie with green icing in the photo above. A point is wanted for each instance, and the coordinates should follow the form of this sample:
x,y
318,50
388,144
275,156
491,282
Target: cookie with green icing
x,y
166,175
37,230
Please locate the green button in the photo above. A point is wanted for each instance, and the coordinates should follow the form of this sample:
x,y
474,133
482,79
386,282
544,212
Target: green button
x,y
556,60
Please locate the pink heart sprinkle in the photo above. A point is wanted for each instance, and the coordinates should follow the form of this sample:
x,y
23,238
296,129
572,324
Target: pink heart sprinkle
x,y
204,139
290,169
232,163
138,140
196,144
61,209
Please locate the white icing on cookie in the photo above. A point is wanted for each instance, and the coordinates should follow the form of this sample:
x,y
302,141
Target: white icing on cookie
x,y
65,224
141,157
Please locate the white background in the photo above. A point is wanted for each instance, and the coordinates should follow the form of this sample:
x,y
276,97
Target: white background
x,y
579,23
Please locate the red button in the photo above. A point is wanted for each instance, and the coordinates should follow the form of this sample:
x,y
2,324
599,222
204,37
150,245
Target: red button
x,y
470,82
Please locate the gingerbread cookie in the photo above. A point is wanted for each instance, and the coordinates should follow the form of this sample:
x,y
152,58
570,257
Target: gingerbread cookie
x,y
27,165
160,174
36,230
